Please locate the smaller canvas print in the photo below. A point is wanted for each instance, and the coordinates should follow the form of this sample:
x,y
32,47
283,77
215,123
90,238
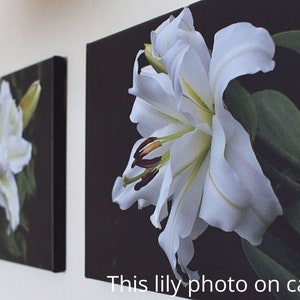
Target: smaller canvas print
x,y
32,165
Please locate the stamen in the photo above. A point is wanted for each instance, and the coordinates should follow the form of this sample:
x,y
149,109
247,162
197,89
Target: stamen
x,y
146,179
146,163
151,166
143,144
148,147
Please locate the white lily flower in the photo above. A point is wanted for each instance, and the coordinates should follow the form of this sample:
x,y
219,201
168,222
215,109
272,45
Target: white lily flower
x,y
15,153
198,156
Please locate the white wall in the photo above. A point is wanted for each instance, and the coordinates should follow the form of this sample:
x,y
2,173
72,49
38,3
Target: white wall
x,y
34,30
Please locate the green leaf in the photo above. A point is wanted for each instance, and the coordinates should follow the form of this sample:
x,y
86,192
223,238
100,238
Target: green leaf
x,y
274,259
24,222
292,213
239,103
22,245
282,179
288,39
13,246
26,182
279,125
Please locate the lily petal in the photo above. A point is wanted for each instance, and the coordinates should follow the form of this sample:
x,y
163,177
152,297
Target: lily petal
x,y
161,208
19,153
239,49
9,200
178,173
225,196
166,35
187,63
155,105
180,227
127,196
10,115
151,86
186,249
254,205
264,205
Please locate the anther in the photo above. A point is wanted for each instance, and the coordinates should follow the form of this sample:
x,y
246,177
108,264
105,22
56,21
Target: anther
x,y
145,142
146,163
146,179
146,147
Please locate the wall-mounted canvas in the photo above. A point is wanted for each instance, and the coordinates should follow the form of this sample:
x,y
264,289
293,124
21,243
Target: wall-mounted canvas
x,y
32,184
200,199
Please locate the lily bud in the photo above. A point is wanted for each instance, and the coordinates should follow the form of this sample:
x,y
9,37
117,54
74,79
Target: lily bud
x,y
29,102
157,65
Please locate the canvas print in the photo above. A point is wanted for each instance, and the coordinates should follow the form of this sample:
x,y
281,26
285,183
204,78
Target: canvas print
x,y
32,165
192,153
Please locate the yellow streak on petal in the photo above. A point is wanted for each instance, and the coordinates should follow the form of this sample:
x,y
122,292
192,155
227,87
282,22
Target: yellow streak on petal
x,y
222,195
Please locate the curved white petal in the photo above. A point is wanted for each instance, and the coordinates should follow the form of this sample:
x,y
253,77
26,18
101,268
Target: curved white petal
x,y
161,208
239,49
15,120
186,249
188,64
151,86
252,206
195,145
155,105
150,119
126,196
178,172
172,60
180,227
9,200
194,79
264,205
10,116
19,154
225,197
166,35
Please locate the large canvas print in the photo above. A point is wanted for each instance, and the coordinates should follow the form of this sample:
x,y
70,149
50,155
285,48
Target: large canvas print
x,y
32,165
192,153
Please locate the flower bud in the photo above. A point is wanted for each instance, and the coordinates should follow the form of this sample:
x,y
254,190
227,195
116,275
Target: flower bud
x,y
157,65
29,102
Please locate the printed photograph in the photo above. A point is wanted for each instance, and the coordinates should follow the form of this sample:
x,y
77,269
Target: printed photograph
x,y
32,165
193,153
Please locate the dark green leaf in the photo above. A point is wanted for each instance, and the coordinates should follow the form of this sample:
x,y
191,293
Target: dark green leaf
x,y
274,259
24,222
239,103
26,182
288,39
292,213
13,244
282,179
279,125
22,245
